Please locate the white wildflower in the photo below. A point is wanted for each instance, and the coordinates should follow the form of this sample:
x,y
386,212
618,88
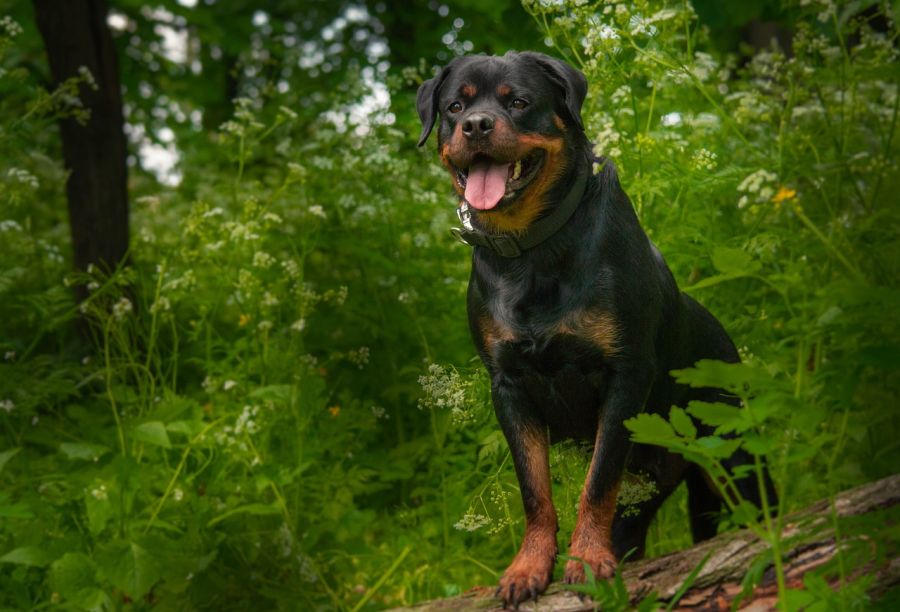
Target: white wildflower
x,y
161,304
8,225
445,390
122,308
703,159
261,259
360,357
471,522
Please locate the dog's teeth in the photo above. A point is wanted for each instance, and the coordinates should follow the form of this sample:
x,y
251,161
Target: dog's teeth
x,y
517,171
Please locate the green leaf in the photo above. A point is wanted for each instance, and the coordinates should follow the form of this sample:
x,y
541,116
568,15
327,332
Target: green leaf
x,y
734,261
758,444
153,432
83,450
7,455
650,429
725,417
186,428
682,423
745,513
9,509
716,447
713,280
738,378
93,599
276,393
72,573
99,510
797,599
255,509
27,555
130,568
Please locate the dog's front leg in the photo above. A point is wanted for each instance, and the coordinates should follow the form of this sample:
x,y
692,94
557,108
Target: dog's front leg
x,y
532,569
592,538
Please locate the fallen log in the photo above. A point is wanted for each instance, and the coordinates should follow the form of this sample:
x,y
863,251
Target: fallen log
x,y
808,539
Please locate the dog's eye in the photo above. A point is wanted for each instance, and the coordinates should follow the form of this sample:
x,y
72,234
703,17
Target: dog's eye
x,y
519,103
455,107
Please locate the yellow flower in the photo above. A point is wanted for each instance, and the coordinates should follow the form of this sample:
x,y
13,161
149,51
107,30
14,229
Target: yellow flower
x,y
243,320
334,410
784,194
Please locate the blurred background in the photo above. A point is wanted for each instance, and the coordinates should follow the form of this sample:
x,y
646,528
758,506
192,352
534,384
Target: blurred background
x,y
234,363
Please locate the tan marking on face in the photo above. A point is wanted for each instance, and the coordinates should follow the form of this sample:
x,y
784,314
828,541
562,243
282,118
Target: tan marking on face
x,y
445,159
503,90
559,123
521,214
596,326
467,89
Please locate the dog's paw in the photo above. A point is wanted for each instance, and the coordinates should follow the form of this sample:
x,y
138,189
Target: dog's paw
x,y
601,561
525,579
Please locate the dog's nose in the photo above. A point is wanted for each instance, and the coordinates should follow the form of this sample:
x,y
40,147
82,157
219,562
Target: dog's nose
x,y
477,125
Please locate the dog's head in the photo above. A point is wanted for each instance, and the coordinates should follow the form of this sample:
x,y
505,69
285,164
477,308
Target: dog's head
x,y
507,128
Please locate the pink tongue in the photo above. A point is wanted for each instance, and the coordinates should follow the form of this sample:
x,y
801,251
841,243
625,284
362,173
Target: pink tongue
x,y
486,184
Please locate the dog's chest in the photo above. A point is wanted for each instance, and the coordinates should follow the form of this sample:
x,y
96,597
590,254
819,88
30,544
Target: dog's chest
x,y
537,330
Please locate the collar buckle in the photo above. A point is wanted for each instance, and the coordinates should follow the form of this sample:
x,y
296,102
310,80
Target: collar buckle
x,y
504,245
460,234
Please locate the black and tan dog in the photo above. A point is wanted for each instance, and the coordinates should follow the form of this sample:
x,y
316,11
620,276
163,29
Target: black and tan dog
x,y
573,311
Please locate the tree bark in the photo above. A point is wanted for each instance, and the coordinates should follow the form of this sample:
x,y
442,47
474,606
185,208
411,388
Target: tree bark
x,y
809,541
75,34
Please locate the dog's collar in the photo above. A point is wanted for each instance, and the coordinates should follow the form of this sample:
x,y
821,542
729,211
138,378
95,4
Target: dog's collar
x,y
509,245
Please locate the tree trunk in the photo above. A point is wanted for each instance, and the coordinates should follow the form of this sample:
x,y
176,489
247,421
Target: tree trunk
x,y
808,538
75,34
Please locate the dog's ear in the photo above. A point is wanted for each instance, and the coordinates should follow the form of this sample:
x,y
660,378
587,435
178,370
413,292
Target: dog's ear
x,y
571,81
427,100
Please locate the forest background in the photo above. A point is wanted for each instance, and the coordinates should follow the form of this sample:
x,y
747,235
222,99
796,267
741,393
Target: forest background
x,y
242,379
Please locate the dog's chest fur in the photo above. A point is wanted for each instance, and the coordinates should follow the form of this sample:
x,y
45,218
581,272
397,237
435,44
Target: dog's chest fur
x,y
539,342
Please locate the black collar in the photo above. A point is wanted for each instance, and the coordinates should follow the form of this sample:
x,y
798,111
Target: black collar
x,y
509,245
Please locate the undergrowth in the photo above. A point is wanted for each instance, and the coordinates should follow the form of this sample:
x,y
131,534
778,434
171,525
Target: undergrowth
x,y
265,414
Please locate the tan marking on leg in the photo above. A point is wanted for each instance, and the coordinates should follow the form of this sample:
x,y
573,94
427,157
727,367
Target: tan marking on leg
x,y
592,538
493,334
531,570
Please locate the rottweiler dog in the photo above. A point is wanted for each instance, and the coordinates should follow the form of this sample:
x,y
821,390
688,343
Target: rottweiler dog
x,y
572,309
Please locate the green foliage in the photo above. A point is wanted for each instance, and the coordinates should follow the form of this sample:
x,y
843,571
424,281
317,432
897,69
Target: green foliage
x,y
262,417
765,183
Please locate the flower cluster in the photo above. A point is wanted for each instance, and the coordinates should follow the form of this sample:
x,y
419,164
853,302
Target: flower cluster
x,y
758,187
634,490
446,390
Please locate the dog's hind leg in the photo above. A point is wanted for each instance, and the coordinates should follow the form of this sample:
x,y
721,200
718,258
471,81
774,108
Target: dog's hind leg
x,y
630,527
704,505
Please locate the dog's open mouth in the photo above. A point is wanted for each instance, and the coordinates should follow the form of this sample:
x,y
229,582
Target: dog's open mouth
x,y
488,182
